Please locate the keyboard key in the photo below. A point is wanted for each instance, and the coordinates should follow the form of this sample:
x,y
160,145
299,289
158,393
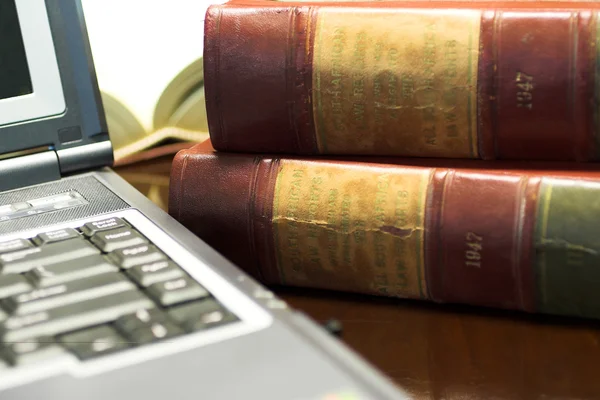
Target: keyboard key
x,y
73,317
154,331
7,209
137,255
25,260
201,315
13,284
176,291
76,292
94,342
68,293
68,271
194,310
20,206
147,326
92,228
108,241
32,351
140,318
14,245
69,203
55,236
148,274
50,200
211,320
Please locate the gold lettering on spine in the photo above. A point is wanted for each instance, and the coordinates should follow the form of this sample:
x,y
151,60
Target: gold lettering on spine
x,y
339,41
524,84
386,82
473,249
340,227
292,212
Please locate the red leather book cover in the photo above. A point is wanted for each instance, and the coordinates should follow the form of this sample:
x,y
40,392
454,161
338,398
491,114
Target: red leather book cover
x,y
440,230
492,80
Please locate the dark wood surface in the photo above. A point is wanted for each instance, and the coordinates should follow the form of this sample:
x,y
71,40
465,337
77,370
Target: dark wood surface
x,y
442,351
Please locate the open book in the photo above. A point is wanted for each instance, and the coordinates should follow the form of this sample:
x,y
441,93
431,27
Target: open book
x,y
149,69
179,119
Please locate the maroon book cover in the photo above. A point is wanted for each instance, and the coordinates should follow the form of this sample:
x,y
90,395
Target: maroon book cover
x,y
491,80
460,231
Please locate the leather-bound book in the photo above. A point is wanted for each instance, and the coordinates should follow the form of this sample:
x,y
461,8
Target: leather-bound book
x,y
460,231
493,80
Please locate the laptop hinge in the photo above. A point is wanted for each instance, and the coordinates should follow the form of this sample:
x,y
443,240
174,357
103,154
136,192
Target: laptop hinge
x,y
86,157
28,170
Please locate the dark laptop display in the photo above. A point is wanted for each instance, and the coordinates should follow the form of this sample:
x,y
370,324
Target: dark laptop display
x,y
14,72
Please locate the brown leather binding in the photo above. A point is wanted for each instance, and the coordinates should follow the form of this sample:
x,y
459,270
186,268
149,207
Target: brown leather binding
x,y
227,200
221,217
556,49
258,67
464,204
246,80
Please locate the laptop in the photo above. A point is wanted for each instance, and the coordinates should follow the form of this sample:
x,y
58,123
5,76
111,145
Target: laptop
x,y
102,294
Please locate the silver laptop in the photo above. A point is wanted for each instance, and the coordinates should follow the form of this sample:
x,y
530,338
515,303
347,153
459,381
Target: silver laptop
x,y
102,294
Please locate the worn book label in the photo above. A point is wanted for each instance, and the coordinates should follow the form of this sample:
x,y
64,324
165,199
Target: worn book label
x,y
390,82
351,228
567,248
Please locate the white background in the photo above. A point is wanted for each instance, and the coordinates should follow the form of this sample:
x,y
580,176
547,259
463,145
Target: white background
x,y
140,45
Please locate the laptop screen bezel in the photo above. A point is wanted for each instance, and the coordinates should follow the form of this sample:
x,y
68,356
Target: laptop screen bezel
x,y
47,98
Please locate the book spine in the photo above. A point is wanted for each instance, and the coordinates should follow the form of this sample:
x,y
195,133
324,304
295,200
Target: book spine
x,y
405,79
518,241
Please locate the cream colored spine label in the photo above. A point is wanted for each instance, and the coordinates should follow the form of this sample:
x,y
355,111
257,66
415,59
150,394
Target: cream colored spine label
x,y
351,228
396,82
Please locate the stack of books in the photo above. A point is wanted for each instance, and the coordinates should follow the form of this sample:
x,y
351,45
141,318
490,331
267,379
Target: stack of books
x,y
435,150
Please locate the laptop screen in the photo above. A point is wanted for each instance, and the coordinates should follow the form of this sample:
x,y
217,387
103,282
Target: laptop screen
x,y
30,81
15,79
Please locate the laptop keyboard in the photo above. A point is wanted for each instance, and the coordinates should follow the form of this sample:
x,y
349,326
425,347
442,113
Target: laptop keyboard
x,y
95,290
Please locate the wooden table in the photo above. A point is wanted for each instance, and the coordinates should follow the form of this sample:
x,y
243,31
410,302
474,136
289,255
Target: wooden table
x,y
441,351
